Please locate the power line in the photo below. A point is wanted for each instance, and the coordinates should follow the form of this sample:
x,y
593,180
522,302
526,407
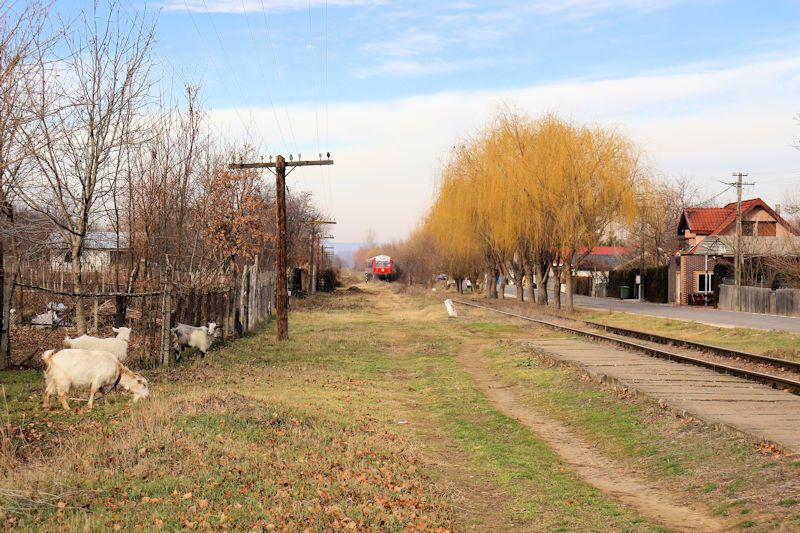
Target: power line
x,y
211,57
313,69
228,61
263,76
171,66
278,74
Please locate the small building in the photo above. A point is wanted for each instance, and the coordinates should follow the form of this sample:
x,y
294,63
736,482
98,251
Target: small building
x,y
707,234
602,259
596,265
100,251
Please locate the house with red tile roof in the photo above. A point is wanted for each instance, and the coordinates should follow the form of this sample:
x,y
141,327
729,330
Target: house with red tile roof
x,y
706,234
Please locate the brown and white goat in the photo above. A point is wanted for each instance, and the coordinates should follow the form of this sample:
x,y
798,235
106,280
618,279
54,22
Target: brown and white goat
x,y
75,367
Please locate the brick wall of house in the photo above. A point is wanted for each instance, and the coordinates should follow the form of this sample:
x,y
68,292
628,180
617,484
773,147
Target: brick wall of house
x,y
691,264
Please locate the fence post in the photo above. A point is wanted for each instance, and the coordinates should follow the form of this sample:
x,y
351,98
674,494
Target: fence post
x,y
166,311
244,299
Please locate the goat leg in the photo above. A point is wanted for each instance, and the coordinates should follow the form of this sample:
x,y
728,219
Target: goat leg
x,y
62,397
92,392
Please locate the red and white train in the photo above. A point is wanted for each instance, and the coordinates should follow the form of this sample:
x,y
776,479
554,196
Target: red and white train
x,y
380,267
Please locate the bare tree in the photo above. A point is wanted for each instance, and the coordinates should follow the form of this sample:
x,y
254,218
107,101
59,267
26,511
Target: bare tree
x,y
88,110
22,44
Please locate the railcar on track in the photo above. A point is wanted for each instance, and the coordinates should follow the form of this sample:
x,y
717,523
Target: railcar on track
x,y
381,267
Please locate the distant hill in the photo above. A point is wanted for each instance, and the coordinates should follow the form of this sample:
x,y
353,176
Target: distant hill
x,y
345,250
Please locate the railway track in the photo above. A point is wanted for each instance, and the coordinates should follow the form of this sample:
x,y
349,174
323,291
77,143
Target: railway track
x,y
778,382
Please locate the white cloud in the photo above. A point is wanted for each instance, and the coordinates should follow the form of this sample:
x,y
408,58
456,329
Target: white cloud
x,y
410,43
246,6
401,69
590,8
700,124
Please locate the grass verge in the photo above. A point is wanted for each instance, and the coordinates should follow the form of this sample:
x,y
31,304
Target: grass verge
x,y
685,457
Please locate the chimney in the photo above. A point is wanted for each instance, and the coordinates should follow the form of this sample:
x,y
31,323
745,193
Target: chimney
x,y
778,209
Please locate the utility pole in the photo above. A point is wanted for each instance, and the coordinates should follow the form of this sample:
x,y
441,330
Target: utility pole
x,y
737,243
641,256
312,258
280,164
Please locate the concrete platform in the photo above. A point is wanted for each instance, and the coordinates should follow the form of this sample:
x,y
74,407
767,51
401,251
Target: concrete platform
x,y
733,403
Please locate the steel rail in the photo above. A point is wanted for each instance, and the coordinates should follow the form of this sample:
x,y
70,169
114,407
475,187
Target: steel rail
x,y
710,348
776,382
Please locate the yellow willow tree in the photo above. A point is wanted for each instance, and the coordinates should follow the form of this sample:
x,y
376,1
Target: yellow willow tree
x,y
454,216
529,196
601,171
464,217
534,161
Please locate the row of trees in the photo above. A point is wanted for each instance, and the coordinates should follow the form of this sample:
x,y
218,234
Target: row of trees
x,y
525,197
528,198
87,143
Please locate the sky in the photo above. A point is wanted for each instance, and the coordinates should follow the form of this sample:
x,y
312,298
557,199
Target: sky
x,y
705,88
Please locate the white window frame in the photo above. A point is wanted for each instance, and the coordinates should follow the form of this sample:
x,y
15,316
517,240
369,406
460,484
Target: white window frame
x,y
708,282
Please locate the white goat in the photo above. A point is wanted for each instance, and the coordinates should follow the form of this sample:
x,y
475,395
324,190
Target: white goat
x,y
189,336
116,345
97,369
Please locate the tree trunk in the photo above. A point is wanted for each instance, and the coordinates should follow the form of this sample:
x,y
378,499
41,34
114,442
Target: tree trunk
x,y
557,286
542,273
502,290
77,285
518,284
526,265
491,284
568,280
4,359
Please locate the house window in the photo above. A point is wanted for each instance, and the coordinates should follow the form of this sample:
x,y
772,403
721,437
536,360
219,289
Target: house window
x,y
766,229
704,281
747,228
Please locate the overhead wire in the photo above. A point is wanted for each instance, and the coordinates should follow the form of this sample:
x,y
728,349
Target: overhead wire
x,y
313,69
326,96
278,76
264,77
211,57
229,63
166,62
726,189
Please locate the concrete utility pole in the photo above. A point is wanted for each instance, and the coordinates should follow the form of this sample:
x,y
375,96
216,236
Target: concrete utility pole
x,y
737,254
280,164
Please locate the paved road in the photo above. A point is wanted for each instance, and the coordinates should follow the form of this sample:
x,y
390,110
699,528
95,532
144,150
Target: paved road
x,y
695,314
751,408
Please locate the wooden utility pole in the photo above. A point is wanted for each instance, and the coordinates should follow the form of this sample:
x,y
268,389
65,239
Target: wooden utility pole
x,y
737,253
280,164
312,258
283,295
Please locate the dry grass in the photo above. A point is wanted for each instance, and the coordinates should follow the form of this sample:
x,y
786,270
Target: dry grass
x,y
305,435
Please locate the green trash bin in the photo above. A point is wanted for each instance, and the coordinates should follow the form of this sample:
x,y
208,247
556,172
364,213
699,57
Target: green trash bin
x,y
624,292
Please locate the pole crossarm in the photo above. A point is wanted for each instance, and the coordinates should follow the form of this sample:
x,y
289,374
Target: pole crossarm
x,y
273,164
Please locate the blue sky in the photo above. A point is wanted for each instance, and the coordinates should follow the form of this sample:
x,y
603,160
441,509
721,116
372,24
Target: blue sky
x,y
706,87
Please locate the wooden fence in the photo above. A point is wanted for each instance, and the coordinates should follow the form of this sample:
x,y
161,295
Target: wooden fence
x,y
237,303
784,302
235,310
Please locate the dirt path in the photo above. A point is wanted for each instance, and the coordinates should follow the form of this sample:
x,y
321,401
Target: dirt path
x,y
595,469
